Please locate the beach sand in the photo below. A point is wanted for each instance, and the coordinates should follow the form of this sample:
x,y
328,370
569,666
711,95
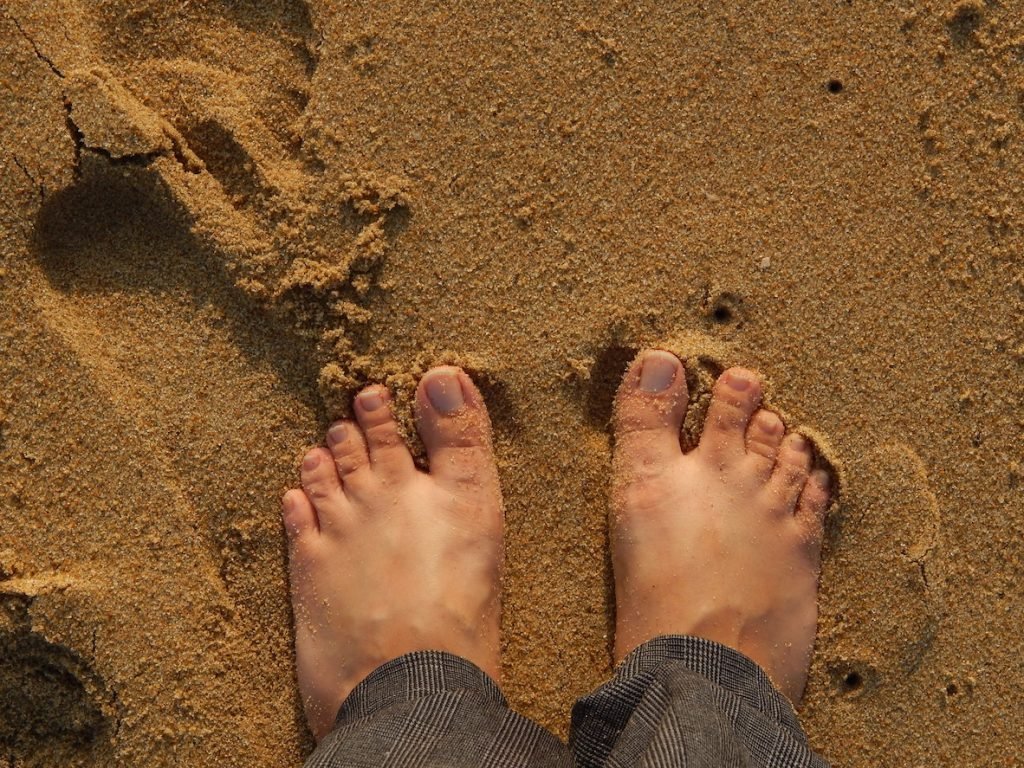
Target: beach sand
x,y
219,219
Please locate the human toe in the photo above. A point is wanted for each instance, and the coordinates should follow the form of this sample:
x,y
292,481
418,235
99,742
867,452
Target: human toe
x,y
452,420
734,399
347,445
649,408
388,453
322,485
812,505
299,517
764,437
792,468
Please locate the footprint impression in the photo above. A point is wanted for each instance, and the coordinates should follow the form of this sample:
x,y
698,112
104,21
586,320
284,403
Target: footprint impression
x,y
882,594
54,708
170,130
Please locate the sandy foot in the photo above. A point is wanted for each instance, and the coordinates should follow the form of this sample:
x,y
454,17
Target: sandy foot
x,y
385,559
722,542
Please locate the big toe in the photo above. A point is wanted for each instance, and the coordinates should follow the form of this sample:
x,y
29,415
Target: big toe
x,y
649,409
735,397
452,421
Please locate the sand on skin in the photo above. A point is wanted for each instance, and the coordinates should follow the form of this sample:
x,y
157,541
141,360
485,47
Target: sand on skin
x,y
220,219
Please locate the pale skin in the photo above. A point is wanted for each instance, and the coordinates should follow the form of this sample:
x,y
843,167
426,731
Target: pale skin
x,y
722,542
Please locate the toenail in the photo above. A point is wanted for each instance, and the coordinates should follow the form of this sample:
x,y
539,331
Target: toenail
x,y
771,424
311,460
336,434
657,371
740,380
801,443
289,503
371,400
822,479
444,391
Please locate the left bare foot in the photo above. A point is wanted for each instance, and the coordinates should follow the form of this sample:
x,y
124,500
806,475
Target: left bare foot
x,y
384,559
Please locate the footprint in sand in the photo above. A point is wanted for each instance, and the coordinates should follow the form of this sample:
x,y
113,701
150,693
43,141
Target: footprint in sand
x,y
188,222
54,708
882,591
226,145
195,139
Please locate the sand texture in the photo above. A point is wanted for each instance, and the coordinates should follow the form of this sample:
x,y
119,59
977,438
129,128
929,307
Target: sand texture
x,y
219,218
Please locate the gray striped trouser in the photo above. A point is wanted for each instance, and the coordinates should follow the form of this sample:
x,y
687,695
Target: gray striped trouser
x,y
674,701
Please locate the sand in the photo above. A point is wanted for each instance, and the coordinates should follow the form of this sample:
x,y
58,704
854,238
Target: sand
x,y
221,218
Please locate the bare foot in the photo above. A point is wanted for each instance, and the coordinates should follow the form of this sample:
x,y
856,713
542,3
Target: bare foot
x,y
384,559
722,542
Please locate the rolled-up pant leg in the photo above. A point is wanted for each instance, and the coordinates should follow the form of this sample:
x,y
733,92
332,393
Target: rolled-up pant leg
x,y
431,708
675,702
687,702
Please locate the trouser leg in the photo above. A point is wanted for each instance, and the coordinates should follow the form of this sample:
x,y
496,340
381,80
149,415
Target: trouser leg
x,y
434,709
687,702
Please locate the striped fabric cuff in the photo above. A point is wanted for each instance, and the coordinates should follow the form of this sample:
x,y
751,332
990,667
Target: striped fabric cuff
x,y
722,665
413,676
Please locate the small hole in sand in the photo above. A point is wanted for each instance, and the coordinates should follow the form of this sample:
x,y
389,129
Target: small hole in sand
x,y
952,689
853,681
965,21
834,86
725,309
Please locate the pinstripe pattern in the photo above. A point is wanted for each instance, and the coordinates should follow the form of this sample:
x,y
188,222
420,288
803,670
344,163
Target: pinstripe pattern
x,y
433,709
675,702
687,702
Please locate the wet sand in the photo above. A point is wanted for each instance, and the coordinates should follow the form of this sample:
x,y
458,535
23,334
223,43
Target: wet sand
x,y
220,219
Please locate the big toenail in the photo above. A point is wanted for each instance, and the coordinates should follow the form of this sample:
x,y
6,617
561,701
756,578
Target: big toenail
x,y
657,371
445,391
311,460
739,380
336,434
371,400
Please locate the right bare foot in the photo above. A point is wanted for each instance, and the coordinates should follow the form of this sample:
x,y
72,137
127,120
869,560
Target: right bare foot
x,y
722,542
384,559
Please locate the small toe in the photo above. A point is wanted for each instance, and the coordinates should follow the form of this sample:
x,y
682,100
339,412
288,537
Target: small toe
x,y
736,396
792,467
322,485
452,421
347,445
649,409
300,522
764,436
388,452
811,509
